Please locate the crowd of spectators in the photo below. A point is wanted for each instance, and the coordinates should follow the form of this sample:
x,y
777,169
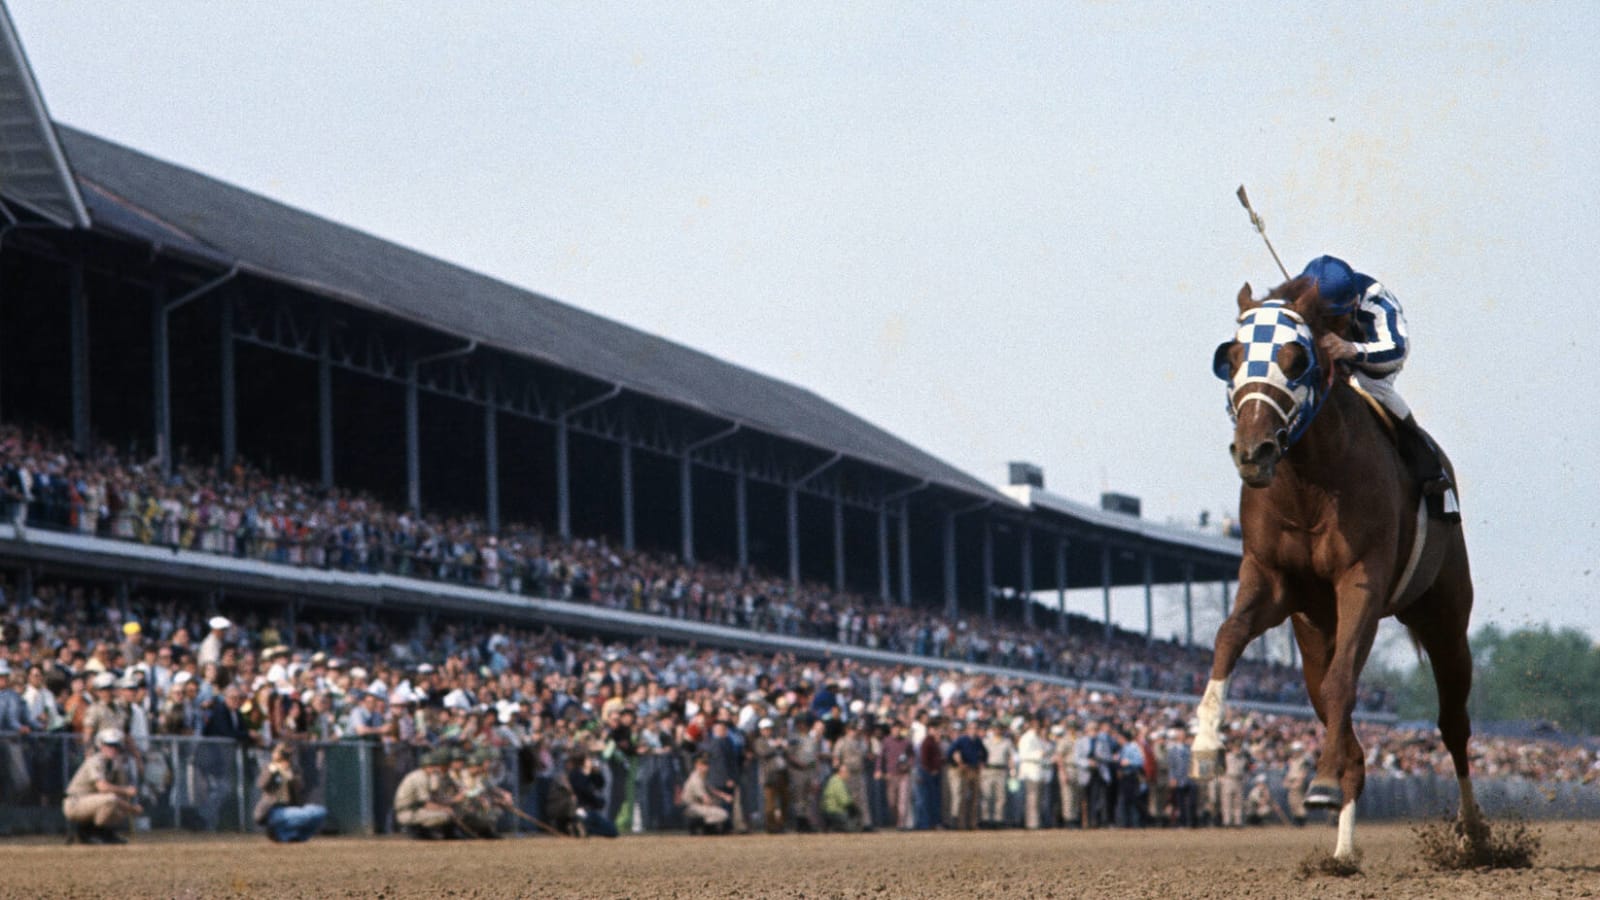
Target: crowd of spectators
x,y
250,514
634,720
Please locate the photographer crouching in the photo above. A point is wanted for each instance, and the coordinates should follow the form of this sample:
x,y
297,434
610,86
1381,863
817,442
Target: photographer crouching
x,y
100,798
281,810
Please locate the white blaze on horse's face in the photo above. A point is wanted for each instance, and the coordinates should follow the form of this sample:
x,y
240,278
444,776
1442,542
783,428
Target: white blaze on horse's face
x,y
1290,395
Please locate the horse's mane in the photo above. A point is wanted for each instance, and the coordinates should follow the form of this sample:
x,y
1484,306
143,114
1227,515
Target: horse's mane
x,y
1301,295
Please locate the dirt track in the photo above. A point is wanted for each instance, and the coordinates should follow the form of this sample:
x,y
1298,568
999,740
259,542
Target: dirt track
x,y
1252,863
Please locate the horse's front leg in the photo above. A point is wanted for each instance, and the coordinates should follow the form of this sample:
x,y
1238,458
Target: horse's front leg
x,y
1258,606
1341,769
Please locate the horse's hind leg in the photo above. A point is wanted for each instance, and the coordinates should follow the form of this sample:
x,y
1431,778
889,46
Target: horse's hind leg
x,y
1258,606
1439,621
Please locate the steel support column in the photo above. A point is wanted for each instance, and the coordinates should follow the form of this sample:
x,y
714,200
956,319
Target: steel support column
x,y
563,464
686,486
563,483
838,545
491,456
1061,585
413,442
160,377
1149,599
988,570
1105,585
741,519
227,375
950,605
902,498
78,312
792,517
905,554
1027,575
883,556
794,513
325,395
627,497
1188,604
162,364
686,507
414,425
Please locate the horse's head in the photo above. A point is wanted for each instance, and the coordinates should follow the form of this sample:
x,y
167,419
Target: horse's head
x,y
1275,374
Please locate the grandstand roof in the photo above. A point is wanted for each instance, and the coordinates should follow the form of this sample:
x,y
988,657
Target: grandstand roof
x,y
32,170
184,212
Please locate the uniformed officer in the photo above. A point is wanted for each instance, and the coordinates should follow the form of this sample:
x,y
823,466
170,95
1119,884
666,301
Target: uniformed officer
x,y
104,713
1295,782
1000,766
99,797
478,806
421,802
1232,785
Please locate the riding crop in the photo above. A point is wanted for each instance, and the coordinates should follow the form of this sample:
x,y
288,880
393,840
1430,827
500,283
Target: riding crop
x,y
1261,229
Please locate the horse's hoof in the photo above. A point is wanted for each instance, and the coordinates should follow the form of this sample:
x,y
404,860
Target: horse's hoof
x,y
1320,796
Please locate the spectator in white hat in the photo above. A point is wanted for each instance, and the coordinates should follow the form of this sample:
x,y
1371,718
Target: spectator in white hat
x,y
211,646
103,713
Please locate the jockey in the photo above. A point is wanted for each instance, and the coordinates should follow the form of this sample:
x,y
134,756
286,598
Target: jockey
x,y
1375,358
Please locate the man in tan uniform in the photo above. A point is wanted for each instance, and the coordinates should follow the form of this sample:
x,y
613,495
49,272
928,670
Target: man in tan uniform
x,y
851,757
1000,766
1295,782
702,804
104,713
805,754
772,753
99,797
422,801
1232,784
481,801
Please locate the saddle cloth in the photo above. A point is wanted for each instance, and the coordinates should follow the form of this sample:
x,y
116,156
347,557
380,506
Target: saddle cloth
x,y
1427,544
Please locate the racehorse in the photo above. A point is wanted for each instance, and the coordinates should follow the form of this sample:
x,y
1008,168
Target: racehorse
x,y
1336,537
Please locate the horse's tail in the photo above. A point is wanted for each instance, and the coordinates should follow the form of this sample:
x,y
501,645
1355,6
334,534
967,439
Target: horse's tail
x,y
1416,644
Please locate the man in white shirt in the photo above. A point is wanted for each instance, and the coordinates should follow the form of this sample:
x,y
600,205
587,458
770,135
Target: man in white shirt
x,y
1033,755
211,646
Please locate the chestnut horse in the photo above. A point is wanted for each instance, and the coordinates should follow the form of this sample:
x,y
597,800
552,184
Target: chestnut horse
x,y
1330,515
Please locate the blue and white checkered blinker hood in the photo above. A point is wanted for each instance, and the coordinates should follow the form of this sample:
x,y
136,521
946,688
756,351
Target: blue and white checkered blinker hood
x,y
1264,331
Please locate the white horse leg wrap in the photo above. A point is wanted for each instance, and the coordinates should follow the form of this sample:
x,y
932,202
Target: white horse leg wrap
x,y
1346,846
1208,717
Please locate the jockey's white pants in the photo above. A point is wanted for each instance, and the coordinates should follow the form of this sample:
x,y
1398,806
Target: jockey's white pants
x,y
1382,387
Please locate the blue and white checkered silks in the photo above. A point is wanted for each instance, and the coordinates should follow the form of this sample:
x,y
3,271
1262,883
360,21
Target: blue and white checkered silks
x,y
1264,331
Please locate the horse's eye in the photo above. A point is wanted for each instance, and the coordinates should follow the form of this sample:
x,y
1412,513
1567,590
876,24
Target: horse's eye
x,y
1293,360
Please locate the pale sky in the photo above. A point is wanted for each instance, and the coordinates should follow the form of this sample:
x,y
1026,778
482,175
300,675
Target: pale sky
x,y
1001,231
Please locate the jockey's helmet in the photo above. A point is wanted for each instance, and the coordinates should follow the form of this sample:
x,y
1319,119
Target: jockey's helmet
x,y
1336,282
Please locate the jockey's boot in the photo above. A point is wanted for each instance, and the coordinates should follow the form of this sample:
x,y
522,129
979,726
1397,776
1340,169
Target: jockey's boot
x,y
1426,463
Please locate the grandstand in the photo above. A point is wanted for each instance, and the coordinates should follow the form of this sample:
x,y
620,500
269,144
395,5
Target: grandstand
x,y
180,318
510,525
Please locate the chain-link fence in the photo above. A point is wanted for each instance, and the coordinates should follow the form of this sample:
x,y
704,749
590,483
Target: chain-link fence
x,y
185,783
209,785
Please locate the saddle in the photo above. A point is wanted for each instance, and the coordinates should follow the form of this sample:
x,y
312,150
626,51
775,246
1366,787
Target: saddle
x,y
1427,464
